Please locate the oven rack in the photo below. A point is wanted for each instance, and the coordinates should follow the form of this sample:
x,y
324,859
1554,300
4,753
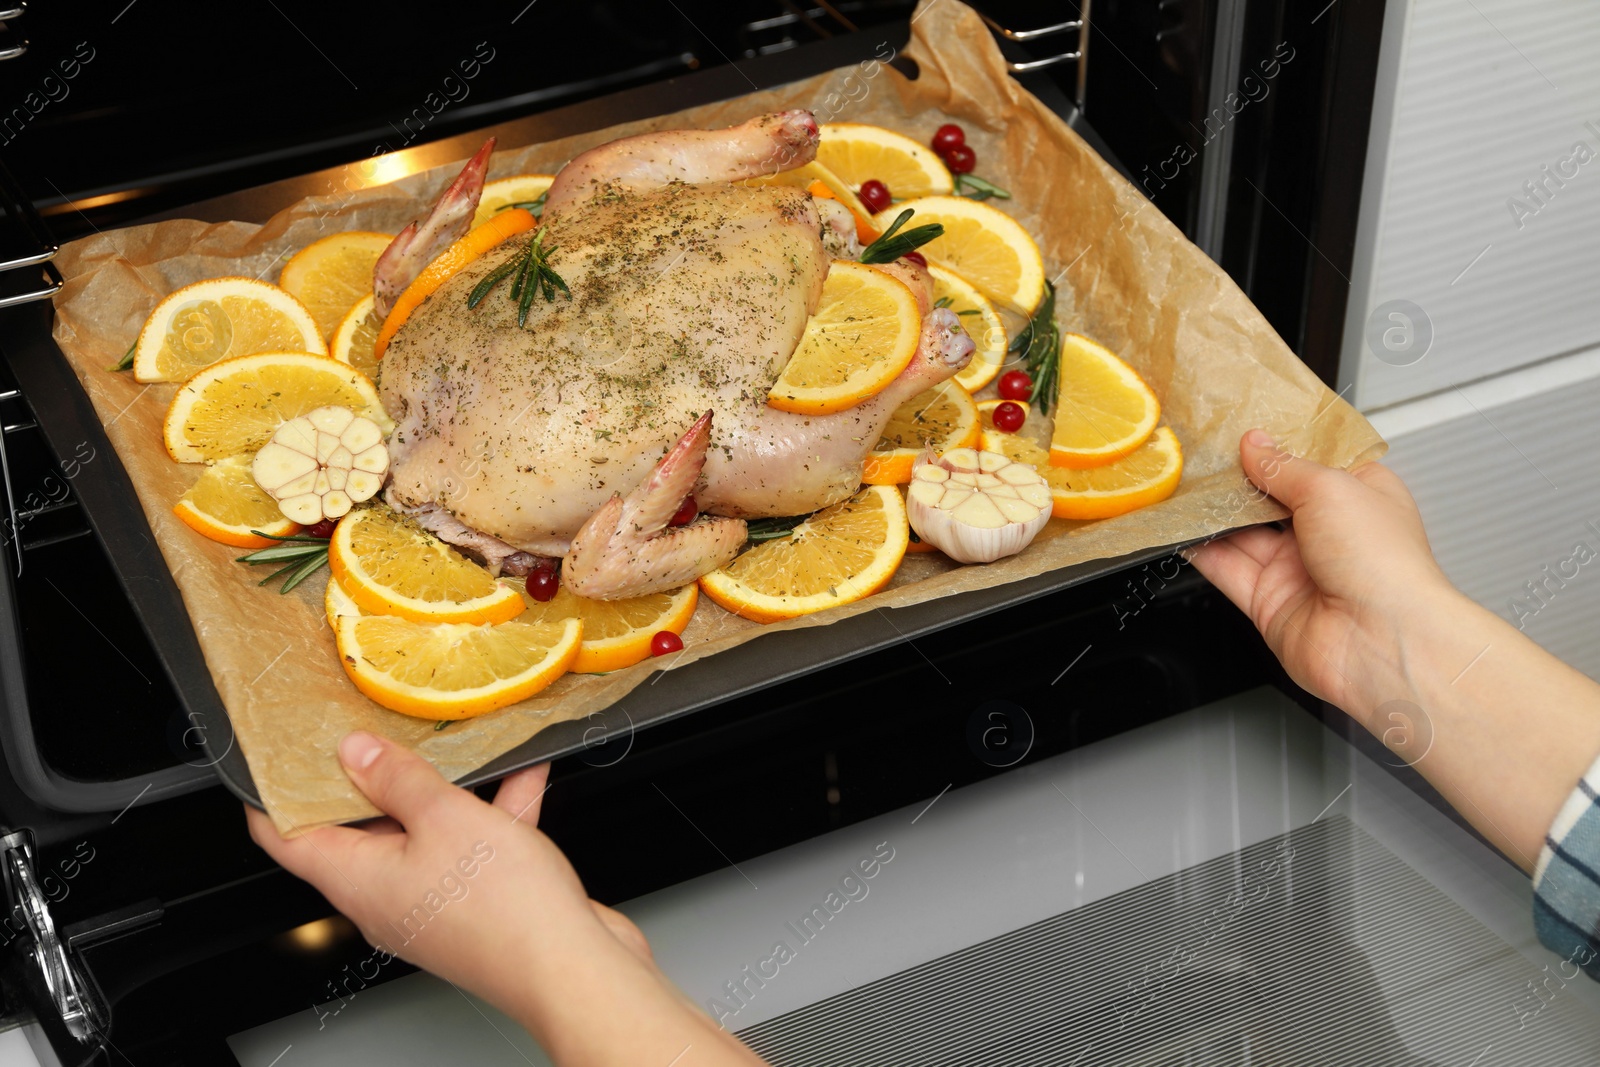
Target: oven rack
x,y
1018,60
45,402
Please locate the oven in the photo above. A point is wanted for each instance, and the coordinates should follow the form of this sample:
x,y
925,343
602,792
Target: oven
x,y
146,927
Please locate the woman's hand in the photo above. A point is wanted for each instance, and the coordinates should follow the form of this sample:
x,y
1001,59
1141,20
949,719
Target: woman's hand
x,y
474,893
1351,601
1353,570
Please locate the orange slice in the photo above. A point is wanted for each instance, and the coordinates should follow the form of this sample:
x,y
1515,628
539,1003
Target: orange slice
x,y
356,338
330,275
1148,476
235,406
210,321
519,190
859,153
864,332
391,566
448,264
837,556
617,633
226,504
940,418
452,670
1104,410
982,244
979,319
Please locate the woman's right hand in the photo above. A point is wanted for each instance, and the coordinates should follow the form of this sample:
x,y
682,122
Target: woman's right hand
x,y
1345,582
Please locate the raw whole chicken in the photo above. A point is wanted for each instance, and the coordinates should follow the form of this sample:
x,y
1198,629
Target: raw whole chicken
x,y
580,434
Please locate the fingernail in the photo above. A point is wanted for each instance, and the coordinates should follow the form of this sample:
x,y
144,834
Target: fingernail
x,y
1260,439
359,750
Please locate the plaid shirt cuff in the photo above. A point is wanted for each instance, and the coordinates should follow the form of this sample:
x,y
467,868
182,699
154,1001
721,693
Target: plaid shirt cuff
x,y
1566,881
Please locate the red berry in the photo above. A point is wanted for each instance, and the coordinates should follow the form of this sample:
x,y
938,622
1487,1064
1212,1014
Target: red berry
x,y
685,513
1016,385
664,642
543,583
1008,417
323,528
875,195
917,258
961,159
947,137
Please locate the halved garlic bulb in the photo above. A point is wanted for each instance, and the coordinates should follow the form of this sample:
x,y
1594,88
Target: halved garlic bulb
x,y
319,464
976,507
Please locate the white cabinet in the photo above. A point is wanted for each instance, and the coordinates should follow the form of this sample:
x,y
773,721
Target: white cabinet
x,y
1481,202
1510,492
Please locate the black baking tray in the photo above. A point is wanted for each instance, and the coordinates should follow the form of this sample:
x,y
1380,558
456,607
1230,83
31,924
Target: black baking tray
x,y
67,418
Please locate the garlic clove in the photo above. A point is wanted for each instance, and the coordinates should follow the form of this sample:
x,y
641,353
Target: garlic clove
x,y
362,436
362,485
374,459
976,506
305,509
322,463
277,465
306,483
334,420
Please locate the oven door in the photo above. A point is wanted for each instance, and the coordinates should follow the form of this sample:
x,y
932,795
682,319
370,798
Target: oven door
x,y
179,934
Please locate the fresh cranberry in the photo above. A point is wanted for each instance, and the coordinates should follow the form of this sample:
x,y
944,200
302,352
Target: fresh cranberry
x,y
947,137
665,642
961,159
875,195
543,583
323,528
1008,417
685,513
917,258
1016,385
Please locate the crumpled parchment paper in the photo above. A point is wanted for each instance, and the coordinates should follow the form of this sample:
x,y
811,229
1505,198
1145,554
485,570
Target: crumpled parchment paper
x,y
1126,277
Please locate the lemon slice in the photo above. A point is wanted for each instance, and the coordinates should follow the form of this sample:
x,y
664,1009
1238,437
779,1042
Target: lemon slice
x,y
236,405
391,566
940,418
354,341
617,633
453,670
982,244
1104,410
863,334
1148,476
204,323
979,319
330,275
858,153
839,555
521,190
226,504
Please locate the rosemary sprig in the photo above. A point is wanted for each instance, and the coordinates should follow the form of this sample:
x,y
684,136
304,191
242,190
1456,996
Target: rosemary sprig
x,y
530,273
759,530
1039,345
301,558
945,301
892,244
126,362
975,188
534,207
